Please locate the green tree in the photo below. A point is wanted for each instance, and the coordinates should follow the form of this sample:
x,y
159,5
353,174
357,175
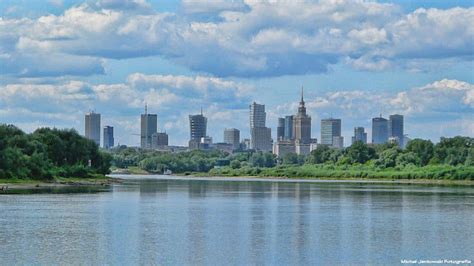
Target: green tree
x,y
407,158
359,153
387,158
423,149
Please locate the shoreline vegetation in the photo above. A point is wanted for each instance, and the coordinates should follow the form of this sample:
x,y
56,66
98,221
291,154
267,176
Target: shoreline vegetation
x,y
451,161
50,158
53,157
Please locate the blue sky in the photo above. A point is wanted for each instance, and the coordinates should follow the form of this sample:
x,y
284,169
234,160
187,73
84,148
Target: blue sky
x,y
355,59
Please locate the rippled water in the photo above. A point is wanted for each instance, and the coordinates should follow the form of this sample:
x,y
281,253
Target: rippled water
x,y
239,222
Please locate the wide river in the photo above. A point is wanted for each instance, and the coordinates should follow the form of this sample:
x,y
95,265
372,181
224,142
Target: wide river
x,y
188,221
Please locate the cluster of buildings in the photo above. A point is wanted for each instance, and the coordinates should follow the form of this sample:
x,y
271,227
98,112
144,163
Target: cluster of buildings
x,y
293,133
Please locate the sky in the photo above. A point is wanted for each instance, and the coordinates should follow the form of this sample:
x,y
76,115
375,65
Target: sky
x,y
355,60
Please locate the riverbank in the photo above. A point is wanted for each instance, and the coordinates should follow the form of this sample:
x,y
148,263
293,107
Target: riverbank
x,y
57,182
421,181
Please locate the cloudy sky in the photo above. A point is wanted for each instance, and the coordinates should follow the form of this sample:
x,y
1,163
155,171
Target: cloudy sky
x,y
355,59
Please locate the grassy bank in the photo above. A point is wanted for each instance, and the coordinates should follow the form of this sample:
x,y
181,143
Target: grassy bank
x,y
59,181
438,172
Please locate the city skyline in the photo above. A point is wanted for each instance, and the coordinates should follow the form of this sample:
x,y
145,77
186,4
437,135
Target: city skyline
x,y
367,69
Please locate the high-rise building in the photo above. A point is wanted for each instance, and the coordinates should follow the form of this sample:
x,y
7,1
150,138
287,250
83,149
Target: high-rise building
x,y
257,115
92,127
359,135
108,137
261,139
232,136
197,130
395,128
302,124
260,135
288,127
281,128
159,140
149,126
330,128
379,130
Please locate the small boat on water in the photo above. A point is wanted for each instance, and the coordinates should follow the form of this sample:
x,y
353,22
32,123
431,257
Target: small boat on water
x,y
167,172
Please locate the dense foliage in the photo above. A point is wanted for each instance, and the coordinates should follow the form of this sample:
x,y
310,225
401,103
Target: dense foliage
x,y
47,152
452,158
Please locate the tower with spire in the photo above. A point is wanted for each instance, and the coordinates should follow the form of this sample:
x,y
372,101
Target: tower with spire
x,y
302,123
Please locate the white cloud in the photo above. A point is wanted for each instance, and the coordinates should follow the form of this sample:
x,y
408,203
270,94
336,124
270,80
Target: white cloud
x,y
248,39
173,98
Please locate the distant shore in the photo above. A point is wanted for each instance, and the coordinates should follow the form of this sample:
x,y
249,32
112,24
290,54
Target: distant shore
x,y
422,181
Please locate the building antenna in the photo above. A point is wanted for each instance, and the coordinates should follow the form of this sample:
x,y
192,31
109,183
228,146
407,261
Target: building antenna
x,y
146,108
301,93
201,110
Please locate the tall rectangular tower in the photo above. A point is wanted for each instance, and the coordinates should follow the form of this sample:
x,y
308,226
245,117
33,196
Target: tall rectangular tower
x,y
288,127
379,130
232,136
395,128
260,135
149,126
92,127
197,130
108,137
330,128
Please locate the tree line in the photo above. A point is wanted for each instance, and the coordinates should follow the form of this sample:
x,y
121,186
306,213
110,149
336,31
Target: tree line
x,y
47,153
450,153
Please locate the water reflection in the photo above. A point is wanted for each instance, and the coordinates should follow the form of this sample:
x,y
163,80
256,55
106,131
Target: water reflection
x,y
194,222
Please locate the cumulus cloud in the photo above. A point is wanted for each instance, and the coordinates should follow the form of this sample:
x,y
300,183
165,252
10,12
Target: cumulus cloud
x,y
173,98
243,39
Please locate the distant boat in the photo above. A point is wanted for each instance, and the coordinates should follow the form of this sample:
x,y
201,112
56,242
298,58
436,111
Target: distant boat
x,y
167,172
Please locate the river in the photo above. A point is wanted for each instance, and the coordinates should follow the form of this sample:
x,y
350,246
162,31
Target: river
x,y
188,221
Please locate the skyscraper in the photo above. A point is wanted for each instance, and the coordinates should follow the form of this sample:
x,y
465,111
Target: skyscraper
x,y
149,126
379,130
92,127
288,127
281,128
232,136
108,137
302,124
359,135
260,135
257,115
197,129
395,128
330,128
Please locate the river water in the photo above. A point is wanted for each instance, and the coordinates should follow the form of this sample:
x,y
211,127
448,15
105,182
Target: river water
x,y
187,221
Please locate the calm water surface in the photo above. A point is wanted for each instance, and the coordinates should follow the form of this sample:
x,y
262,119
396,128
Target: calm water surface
x,y
221,222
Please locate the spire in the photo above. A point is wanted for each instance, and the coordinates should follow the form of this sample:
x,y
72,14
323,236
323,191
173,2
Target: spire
x,y
201,110
302,94
146,108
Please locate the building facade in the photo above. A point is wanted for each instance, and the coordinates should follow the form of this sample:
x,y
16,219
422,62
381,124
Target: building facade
x,y
281,128
148,127
330,128
302,124
288,127
197,130
359,135
379,130
395,129
261,139
108,137
260,135
92,127
232,136
159,140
